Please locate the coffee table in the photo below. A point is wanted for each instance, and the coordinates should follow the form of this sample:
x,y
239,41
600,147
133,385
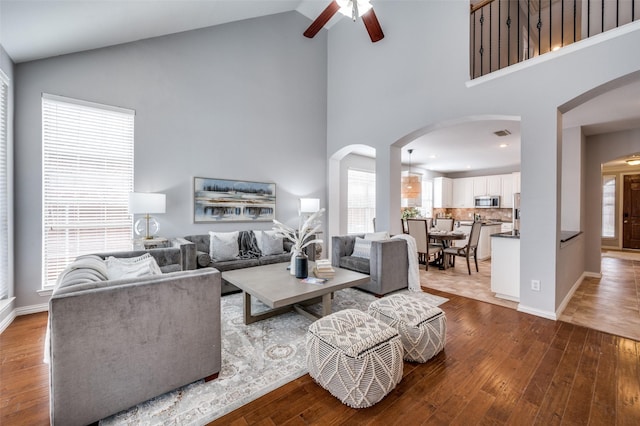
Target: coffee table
x,y
274,286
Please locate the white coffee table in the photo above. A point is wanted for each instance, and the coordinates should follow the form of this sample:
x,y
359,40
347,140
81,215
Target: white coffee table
x,y
274,286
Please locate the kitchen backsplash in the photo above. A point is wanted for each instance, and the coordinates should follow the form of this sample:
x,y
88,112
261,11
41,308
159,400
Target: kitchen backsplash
x,y
467,214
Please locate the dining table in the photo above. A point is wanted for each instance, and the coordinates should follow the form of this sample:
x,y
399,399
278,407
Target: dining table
x,y
445,238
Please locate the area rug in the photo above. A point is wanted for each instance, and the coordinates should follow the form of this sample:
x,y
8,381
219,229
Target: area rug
x,y
256,359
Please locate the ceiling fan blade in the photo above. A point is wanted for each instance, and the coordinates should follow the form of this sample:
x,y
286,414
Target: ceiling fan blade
x,y
322,19
373,26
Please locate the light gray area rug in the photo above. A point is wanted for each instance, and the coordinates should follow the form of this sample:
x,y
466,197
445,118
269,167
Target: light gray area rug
x,y
256,359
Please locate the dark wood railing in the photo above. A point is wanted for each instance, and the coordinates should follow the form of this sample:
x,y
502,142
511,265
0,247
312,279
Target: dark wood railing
x,y
505,32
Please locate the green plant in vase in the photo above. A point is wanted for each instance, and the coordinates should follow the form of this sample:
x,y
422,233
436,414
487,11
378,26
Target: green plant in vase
x,y
410,213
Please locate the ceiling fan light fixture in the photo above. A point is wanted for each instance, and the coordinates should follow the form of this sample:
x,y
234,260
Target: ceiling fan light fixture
x,y
354,9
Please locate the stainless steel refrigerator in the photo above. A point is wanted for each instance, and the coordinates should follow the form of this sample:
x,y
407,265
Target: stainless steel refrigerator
x,y
516,212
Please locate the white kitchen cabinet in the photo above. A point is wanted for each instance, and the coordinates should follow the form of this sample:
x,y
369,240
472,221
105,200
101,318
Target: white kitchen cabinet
x,y
494,185
516,182
442,192
506,194
484,244
479,186
505,268
463,193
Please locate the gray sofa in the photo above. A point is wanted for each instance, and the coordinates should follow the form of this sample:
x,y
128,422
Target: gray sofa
x,y
387,265
114,344
204,260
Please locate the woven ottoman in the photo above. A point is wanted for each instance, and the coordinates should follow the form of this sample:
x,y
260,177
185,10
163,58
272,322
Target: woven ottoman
x,y
422,327
357,358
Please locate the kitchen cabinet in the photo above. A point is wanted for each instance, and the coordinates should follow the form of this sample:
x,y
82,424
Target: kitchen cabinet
x,y
505,267
442,192
463,193
479,186
506,194
484,244
487,185
516,181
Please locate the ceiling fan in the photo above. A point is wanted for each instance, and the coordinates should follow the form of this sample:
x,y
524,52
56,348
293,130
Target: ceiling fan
x,y
353,8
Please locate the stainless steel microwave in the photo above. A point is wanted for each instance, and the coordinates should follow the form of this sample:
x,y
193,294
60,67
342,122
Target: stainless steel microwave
x,y
487,202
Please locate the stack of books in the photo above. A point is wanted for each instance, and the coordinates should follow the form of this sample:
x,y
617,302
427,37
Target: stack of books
x,y
323,269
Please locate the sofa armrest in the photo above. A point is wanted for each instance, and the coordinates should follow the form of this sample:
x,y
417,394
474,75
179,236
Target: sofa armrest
x,y
187,251
388,263
131,336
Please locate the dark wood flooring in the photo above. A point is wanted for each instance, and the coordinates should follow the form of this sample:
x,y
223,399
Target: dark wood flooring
x,y
499,366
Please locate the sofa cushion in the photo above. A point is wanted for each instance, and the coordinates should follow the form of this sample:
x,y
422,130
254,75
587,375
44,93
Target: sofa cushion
x,y
170,268
224,246
362,248
203,259
357,264
228,265
276,258
132,267
269,242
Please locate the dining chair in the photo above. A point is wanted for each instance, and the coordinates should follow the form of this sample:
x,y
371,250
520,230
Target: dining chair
x,y
467,251
417,228
403,222
444,224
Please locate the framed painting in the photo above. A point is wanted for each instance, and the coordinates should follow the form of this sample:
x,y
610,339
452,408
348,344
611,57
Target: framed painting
x,y
224,200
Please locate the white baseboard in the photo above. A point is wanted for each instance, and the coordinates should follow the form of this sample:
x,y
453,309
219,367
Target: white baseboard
x,y
33,309
24,310
570,294
5,309
537,312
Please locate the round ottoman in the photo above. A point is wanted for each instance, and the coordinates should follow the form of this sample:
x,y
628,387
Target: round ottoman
x,y
422,327
357,358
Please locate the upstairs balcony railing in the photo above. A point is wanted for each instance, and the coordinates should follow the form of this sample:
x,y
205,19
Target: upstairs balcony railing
x,y
505,32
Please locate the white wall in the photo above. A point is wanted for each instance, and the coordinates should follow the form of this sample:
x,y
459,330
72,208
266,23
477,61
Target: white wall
x,y
242,101
572,178
412,81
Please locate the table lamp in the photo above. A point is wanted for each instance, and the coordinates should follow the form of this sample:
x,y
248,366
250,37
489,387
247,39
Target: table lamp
x,y
147,203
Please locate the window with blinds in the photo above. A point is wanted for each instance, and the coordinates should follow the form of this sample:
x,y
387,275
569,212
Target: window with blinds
x,y
608,206
361,201
4,192
87,177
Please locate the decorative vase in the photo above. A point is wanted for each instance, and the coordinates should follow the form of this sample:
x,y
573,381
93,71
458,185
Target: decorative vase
x,y
302,266
292,265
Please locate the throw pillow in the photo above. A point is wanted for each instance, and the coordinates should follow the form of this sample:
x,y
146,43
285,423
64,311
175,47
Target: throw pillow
x,y
377,236
271,243
223,246
131,267
362,248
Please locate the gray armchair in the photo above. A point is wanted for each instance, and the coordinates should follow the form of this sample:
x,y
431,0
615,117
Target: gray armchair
x,y
387,264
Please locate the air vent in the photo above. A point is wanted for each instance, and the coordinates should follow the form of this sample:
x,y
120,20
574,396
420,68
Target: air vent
x,y
504,132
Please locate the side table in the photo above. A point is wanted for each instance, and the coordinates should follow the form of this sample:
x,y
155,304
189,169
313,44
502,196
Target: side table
x,y
145,244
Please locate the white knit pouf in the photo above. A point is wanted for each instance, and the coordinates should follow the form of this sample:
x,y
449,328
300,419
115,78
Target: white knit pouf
x,y
357,358
422,327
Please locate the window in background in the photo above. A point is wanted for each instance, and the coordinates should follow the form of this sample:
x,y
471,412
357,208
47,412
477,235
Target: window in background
x,y
87,177
427,198
361,201
608,206
4,193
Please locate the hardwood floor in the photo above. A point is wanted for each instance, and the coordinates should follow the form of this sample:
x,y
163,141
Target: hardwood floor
x,y
499,366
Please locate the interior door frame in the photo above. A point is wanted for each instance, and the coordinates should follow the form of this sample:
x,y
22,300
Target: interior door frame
x,y
620,207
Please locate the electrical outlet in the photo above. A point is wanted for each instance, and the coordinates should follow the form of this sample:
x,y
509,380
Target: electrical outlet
x,y
535,285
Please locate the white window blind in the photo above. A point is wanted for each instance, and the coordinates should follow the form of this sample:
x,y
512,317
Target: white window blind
x,y
4,193
87,177
608,206
361,201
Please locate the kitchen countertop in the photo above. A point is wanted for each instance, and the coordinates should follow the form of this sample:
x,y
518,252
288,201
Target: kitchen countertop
x,y
510,234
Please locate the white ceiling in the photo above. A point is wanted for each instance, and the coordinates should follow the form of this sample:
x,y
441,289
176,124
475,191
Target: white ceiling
x,y
35,29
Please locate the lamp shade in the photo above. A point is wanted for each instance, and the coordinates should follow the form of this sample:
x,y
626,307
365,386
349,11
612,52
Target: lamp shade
x,y
309,205
346,7
411,186
147,203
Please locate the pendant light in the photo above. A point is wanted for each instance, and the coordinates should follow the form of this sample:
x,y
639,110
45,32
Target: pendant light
x,y
411,185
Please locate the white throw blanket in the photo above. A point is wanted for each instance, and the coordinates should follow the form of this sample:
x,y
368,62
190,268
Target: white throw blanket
x,y
412,257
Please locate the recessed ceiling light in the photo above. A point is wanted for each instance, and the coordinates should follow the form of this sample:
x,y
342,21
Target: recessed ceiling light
x,y
468,167
504,145
432,156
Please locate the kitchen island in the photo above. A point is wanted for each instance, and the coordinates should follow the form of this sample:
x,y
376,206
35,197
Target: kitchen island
x,y
505,265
